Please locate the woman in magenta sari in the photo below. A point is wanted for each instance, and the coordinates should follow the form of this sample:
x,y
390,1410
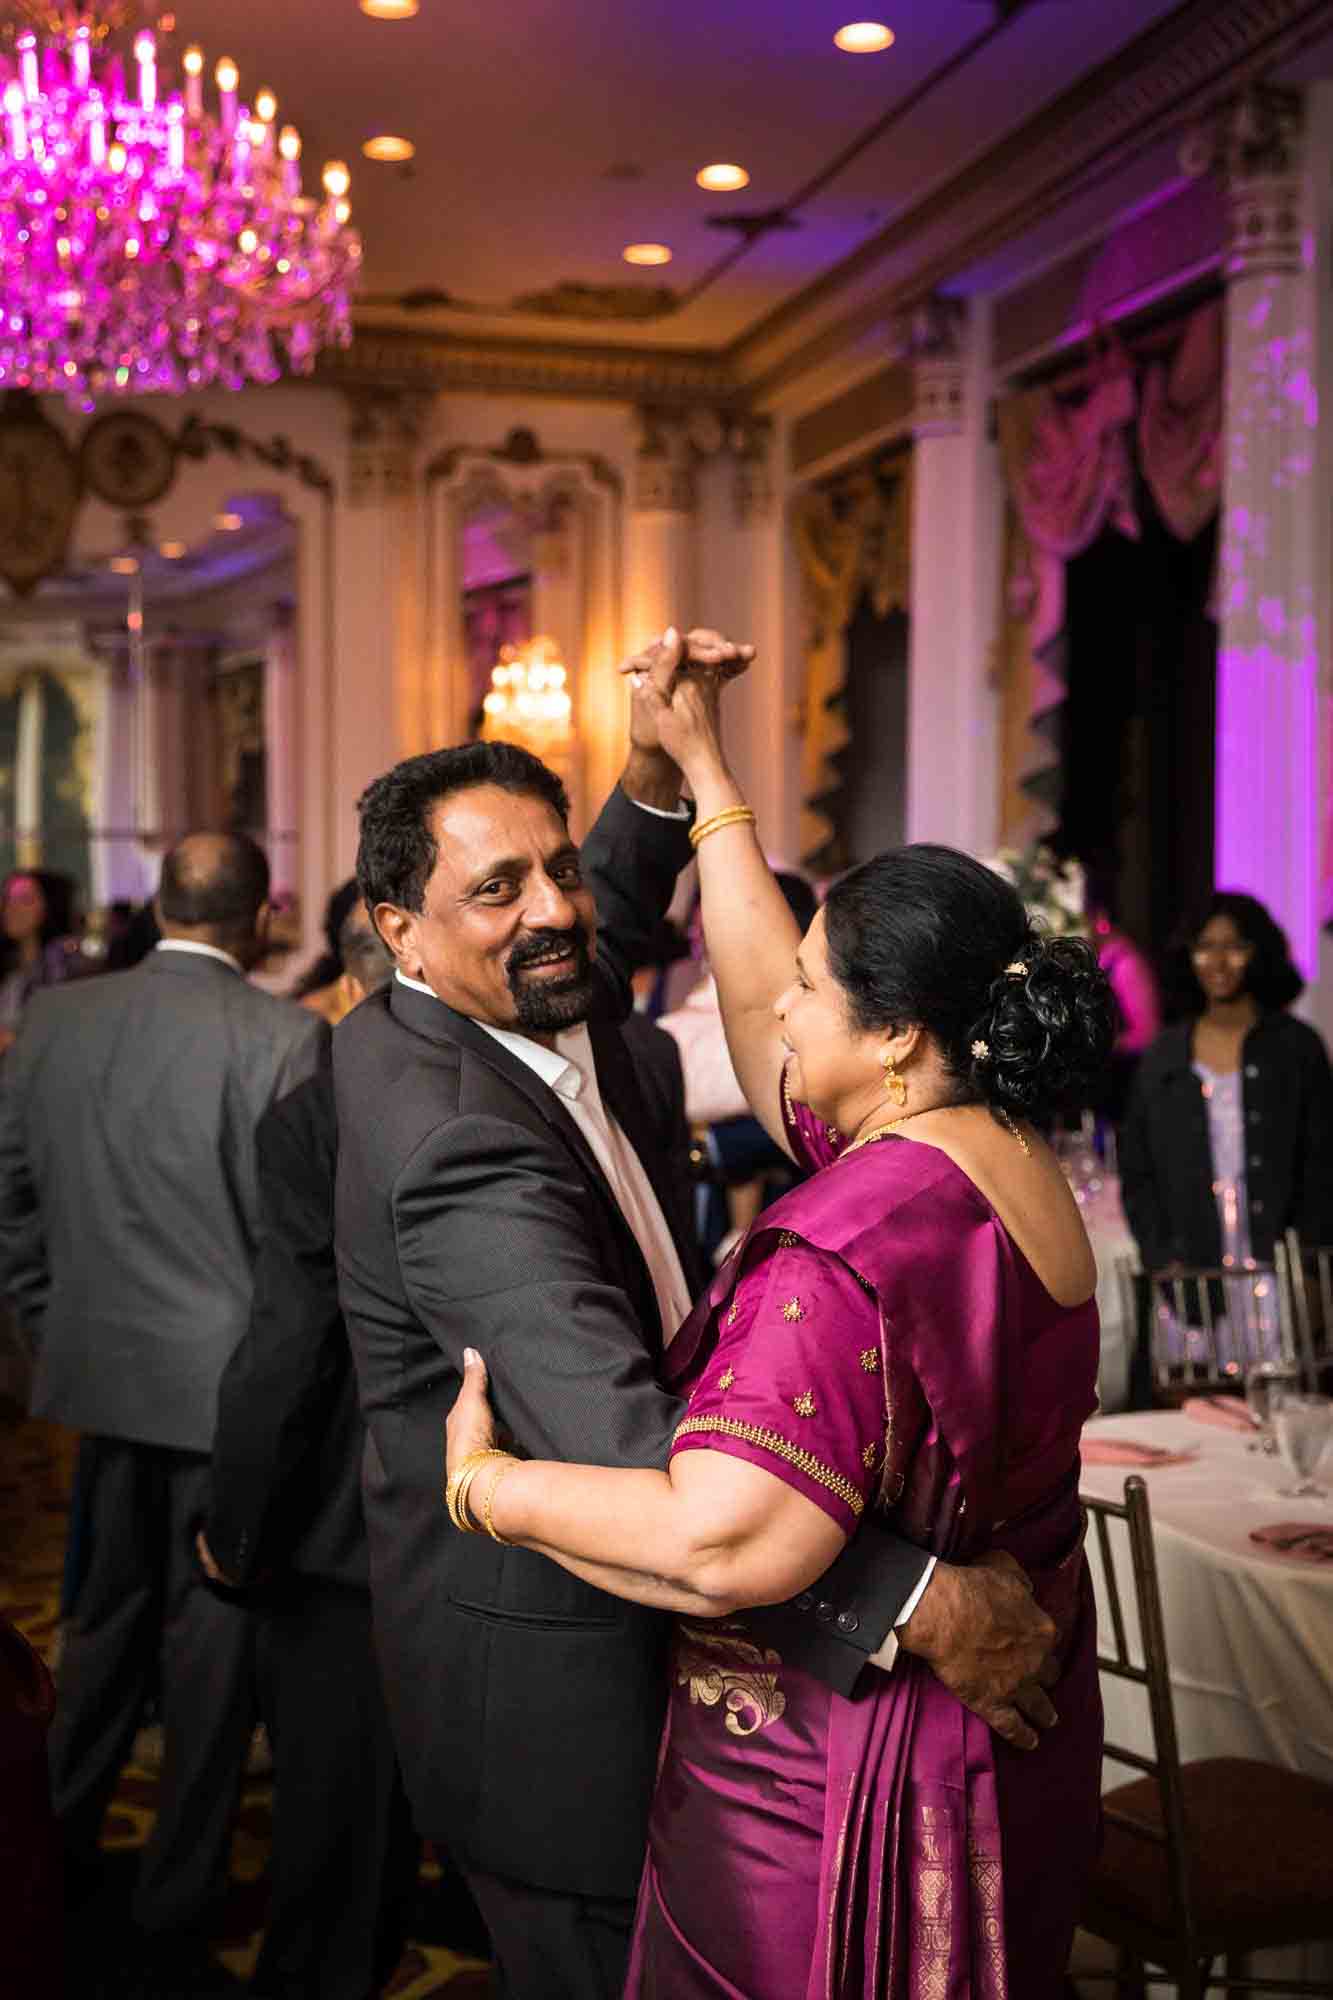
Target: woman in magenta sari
x,y
913,1329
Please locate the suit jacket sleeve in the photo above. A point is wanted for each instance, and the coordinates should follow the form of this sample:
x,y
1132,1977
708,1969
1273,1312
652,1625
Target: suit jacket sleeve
x,y
1140,1190
277,1390
1314,1160
310,1050
631,859
24,1274
498,1250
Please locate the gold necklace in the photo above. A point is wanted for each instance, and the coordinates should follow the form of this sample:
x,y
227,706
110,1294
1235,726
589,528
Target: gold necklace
x,y
883,1131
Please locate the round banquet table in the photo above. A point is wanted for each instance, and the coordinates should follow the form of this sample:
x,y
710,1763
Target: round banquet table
x,y
1249,1633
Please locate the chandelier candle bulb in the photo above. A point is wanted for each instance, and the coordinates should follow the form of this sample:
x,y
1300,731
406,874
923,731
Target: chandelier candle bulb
x,y
192,62
145,54
28,77
227,77
16,115
80,57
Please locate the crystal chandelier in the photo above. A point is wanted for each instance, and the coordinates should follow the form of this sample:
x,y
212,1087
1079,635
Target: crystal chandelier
x,y
148,244
528,697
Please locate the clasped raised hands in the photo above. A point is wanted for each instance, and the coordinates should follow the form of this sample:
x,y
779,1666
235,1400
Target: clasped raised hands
x,y
677,683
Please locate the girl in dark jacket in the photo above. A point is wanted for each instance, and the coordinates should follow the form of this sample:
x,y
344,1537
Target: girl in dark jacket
x,y
1228,1140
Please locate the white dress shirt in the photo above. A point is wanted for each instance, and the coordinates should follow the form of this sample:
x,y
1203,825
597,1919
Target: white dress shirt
x,y
201,951
570,1071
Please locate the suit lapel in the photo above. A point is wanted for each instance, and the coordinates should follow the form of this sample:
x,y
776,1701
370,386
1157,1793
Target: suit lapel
x,y
439,1022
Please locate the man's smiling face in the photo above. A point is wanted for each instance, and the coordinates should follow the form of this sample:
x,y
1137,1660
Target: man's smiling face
x,y
507,931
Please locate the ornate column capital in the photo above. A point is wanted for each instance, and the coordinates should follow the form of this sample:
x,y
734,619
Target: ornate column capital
x,y
933,340
383,432
751,444
664,467
1255,148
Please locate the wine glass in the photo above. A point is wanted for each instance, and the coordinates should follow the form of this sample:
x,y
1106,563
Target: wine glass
x,y
1301,1425
1265,1383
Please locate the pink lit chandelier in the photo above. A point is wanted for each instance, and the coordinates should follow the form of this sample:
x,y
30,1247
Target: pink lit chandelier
x,y
146,243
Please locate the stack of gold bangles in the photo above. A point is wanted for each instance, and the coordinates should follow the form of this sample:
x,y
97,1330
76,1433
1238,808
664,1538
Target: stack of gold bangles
x,y
733,816
460,1485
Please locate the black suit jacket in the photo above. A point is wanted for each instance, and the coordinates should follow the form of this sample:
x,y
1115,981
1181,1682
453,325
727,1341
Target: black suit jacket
x,y
286,1472
526,1704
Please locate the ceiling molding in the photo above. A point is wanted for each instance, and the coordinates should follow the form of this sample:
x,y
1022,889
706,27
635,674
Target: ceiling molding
x,y
1165,79
682,377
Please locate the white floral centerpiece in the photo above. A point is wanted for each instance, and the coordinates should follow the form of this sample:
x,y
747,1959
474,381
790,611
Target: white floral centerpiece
x,y
1053,891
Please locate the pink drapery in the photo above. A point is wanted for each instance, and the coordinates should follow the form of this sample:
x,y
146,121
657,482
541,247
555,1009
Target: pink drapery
x,y
1069,469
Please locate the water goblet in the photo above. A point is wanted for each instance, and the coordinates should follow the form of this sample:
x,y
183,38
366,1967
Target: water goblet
x,y
1302,1425
1265,1382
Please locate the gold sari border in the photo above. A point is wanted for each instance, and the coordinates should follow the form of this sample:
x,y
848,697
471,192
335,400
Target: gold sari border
x,y
781,1447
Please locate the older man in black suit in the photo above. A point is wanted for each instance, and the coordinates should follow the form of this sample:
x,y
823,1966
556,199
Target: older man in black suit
x,y
498,1187
129,1215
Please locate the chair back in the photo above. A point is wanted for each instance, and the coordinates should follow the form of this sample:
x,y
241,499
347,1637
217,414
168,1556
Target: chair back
x,y
1129,1577
1305,1273
1203,1327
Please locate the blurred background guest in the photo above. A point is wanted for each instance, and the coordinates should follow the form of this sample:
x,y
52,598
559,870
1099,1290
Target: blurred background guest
x,y
742,1169
1134,984
38,946
318,987
1228,1139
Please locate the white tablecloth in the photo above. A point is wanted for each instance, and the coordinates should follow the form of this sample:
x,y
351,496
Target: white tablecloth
x,y
1249,1634
1108,1233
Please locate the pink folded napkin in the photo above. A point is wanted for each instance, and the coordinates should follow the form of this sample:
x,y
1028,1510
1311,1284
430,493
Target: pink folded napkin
x,y
1311,1541
1226,1412
1124,1451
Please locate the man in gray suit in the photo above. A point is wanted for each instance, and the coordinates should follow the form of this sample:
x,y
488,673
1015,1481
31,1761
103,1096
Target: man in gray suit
x,y
129,1214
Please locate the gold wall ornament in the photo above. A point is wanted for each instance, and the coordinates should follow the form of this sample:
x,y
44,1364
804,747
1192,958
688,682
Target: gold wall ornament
x,y
39,493
851,536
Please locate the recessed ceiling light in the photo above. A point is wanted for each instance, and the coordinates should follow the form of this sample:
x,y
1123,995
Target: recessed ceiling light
x,y
388,146
389,10
864,38
172,551
722,179
646,253
228,523
124,565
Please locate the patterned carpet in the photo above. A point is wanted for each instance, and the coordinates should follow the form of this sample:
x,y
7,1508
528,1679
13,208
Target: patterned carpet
x,y
35,1463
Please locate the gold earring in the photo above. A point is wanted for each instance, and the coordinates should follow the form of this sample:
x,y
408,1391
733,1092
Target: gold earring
x,y
893,1083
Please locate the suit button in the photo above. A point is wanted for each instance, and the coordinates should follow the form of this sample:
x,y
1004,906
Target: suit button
x,y
1257,1207
1255,1161
805,1600
824,1610
847,1621
1251,1070
1255,1118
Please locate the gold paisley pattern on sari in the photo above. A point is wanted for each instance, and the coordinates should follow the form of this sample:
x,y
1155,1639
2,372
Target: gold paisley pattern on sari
x,y
932,1925
719,1667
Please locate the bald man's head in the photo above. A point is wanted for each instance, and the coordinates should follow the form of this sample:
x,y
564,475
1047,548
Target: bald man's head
x,y
214,889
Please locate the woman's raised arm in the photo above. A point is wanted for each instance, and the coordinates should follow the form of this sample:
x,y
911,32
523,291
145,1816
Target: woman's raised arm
x,y
749,931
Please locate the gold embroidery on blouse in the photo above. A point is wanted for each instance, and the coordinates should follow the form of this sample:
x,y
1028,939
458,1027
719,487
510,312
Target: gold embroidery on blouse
x,y
793,1310
726,1378
832,1134
788,1239
804,1404
781,1447
787,1104
870,1360
735,1308
932,1928
718,1668
987,1918
868,1457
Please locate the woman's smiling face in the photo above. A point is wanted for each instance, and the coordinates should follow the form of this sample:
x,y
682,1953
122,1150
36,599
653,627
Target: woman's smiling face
x,y
833,1062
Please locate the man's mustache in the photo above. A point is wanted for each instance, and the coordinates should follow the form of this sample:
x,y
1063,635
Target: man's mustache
x,y
542,947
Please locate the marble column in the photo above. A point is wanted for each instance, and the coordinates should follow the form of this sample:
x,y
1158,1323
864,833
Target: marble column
x,y
662,558
281,764
117,869
1273,552
28,763
957,509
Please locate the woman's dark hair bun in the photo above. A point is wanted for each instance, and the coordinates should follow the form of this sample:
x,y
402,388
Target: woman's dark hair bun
x,y
927,934
1046,1030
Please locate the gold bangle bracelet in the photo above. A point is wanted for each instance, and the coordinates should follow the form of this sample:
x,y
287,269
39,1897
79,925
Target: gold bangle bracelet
x,y
733,816
457,1489
488,1504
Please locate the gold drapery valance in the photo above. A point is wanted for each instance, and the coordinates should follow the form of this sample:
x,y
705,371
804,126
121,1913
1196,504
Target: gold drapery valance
x,y
852,538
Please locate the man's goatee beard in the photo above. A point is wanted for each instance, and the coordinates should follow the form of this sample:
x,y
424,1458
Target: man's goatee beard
x,y
544,1007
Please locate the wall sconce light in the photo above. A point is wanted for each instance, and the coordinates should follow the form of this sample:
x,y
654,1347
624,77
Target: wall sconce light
x,y
529,701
